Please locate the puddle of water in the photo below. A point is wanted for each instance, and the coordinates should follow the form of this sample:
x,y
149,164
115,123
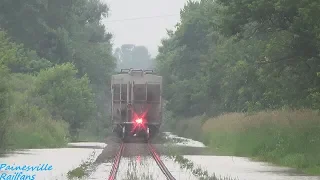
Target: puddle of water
x,y
176,171
239,167
62,160
88,145
184,141
244,169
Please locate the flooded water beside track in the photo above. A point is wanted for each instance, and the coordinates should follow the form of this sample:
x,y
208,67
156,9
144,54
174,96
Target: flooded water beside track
x,y
136,164
61,159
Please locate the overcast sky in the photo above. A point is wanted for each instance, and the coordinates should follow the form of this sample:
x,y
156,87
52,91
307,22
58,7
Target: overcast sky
x,y
146,31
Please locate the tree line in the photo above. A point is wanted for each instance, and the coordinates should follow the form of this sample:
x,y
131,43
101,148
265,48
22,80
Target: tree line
x,y
55,64
242,56
56,59
133,56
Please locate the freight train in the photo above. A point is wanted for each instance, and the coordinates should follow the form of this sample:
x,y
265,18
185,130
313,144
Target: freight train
x,y
136,104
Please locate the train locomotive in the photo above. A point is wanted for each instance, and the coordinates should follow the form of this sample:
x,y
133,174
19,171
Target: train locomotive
x,y
136,104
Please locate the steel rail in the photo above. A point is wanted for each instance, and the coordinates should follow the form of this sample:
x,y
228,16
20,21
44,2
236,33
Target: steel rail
x,y
161,165
116,163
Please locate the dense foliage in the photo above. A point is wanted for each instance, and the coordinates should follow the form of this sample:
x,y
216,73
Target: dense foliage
x,y
251,62
242,55
55,65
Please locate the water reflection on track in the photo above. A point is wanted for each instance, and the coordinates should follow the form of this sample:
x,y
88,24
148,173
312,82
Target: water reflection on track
x,y
153,153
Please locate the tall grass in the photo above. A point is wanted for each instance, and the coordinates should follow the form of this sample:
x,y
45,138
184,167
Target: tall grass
x,y
285,137
190,128
34,128
85,168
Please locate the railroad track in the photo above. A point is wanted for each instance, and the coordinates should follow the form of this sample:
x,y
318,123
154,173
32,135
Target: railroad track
x,y
163,168
153,153
116,162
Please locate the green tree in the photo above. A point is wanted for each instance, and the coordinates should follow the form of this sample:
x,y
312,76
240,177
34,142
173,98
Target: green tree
x,y
61,32
66,96
227,56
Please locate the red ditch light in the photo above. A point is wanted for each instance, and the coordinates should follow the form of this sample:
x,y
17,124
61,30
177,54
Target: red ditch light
x,y
139,121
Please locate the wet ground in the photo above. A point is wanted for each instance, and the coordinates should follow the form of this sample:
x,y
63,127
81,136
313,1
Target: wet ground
x,y
163,148
136,163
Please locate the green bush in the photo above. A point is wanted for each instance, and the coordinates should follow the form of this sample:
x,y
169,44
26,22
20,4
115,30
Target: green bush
x,y
38,130
4,100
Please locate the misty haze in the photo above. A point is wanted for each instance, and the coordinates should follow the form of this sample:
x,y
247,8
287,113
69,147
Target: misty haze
x,y
159,89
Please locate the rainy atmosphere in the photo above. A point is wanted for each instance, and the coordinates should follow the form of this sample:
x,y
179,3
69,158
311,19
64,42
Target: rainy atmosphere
x,y
159,89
